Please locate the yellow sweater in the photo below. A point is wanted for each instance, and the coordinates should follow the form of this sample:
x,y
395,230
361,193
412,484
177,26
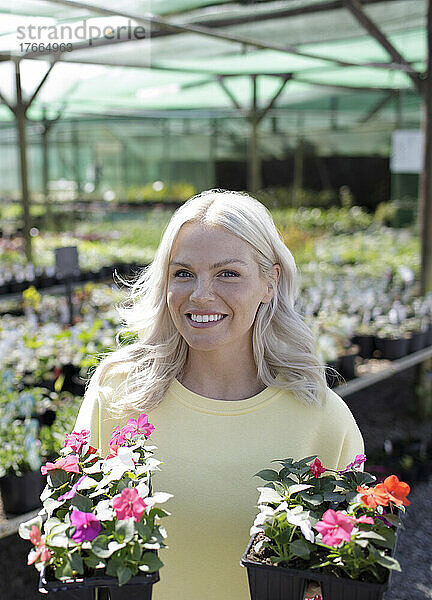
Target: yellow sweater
x,y
211,450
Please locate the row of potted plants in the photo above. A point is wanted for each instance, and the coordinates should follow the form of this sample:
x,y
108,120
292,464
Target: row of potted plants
x,y
33,424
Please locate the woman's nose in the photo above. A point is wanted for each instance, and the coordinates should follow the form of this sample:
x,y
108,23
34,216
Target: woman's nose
x,y
202,289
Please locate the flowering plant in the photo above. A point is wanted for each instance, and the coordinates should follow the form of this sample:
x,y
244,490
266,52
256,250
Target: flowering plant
x,y
101,514
336,521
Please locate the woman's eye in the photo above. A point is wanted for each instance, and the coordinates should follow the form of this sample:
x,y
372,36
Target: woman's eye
x,y
231,273
181,273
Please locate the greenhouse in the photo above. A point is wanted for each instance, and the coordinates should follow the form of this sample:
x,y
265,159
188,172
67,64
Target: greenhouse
x,y
114,117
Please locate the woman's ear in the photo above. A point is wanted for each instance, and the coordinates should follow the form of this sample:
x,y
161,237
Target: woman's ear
x,y
274,275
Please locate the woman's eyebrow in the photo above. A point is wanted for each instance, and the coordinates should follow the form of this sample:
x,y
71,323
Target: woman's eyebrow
x,y
221,263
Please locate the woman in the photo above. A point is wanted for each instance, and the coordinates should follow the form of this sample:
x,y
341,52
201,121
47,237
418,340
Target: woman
x,y
226,370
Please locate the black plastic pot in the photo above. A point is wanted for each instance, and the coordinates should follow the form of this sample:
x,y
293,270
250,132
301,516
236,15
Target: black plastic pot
x,y
417,341
268,582
139,587
21,494
366,344
392,349
347,365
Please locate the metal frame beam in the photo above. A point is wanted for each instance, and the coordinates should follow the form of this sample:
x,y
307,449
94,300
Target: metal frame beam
x,y
169,26
375,32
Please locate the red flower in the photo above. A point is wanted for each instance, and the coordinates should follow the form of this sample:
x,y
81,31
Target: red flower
x,y
316,468
397,490
371,497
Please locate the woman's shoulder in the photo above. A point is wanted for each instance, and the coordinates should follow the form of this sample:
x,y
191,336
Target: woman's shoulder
x,y
337,409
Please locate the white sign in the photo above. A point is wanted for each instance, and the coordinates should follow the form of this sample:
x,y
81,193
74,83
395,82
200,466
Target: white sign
x,y
407,151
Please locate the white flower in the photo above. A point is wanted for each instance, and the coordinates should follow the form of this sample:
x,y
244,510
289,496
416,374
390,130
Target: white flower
x,y
268,495
265,515
297,516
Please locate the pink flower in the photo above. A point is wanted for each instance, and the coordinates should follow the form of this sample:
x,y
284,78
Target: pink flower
x,y
76,440
134,427
118,437
87,526
41,550
71,493
129,504
316,468
335,527
68,463
141,426
364,519
355,464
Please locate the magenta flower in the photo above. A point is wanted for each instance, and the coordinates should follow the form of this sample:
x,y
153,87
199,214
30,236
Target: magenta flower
x,y
118,437
76,440
129,504
87,526
335,527
69,463
71,493
140,426
364,519
355,464
316,468
133,426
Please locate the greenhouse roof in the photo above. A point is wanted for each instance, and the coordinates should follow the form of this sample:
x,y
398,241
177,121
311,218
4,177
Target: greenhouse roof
x,y
213,57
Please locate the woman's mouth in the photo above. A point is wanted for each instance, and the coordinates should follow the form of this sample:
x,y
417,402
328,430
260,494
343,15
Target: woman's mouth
x,y
202,321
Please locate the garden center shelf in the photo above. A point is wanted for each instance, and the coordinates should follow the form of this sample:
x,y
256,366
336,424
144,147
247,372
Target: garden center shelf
x,y
9,526
395,366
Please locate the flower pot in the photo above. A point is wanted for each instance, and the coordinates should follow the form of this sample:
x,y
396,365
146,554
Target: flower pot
x,y
268,582
417,341
366,344
99,587
392,349
347,363
21,494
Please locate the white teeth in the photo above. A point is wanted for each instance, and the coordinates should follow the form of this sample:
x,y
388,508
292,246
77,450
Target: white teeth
x,y
205,318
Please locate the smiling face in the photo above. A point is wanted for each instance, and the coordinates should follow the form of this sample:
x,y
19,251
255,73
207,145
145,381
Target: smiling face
x,y
214,288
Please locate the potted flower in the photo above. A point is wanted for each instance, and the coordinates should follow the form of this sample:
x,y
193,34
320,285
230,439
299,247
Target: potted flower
x,y
102,525
325,526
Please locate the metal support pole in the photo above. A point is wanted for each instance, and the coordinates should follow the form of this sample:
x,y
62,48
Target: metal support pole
x,y
20,115
298,172
426,175
45,169
76,159
254,174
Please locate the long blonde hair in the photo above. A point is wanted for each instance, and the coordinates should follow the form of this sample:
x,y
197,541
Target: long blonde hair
x,y
282,343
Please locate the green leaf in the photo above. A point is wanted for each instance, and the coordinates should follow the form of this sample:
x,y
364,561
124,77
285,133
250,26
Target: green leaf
x,y
82,503
150,563
57,477
300,548
92,561
267,475
100,547
125,530
123,574
77,563
144,530
386,561
136,551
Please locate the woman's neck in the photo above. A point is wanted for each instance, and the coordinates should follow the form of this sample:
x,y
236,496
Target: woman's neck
x,y
221,378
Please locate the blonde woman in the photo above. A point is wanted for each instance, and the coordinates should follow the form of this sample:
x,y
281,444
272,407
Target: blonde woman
x,y
227,372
